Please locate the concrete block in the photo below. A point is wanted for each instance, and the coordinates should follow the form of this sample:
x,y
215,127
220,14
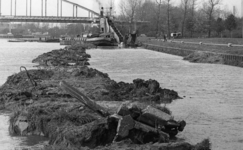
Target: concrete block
x,y
154,117
125,124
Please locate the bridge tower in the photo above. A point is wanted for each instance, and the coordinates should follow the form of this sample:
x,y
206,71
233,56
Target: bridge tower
x,y
0,7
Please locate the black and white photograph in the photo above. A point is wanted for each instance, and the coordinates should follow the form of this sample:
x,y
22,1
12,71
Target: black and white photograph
x,y
121,74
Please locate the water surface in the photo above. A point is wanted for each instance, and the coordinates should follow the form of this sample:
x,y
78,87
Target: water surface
x,y
212,108
213,105
12,57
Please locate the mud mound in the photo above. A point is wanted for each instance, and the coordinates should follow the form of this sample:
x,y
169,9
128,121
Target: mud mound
x,y
64,123
78,72
203,57
127,144
142,90
26,78
155,146
22,90
79,45
72,125
63,57
42,108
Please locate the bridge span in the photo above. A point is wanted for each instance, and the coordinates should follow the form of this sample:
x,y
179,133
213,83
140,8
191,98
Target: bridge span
x,y
92,17
53,19
49,19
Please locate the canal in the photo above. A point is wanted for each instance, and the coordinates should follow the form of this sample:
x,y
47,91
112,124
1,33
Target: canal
x,y
212,103
12,56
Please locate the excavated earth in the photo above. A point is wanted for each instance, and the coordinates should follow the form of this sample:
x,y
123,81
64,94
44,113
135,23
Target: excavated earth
x,y
203,57
40,107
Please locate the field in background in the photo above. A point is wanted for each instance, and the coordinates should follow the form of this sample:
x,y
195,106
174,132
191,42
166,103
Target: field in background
x,y
214,40
201,47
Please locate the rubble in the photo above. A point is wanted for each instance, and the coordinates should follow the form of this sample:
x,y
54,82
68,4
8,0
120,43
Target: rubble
x,y
107,113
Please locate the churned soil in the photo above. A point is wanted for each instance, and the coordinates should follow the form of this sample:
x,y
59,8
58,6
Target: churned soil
x,y
36,97
203,53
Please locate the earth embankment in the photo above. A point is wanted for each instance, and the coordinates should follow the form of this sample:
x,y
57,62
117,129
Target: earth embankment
x,y
41,107
198,52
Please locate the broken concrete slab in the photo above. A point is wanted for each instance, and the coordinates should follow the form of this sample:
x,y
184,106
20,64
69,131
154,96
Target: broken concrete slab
x,y
125,124
154,117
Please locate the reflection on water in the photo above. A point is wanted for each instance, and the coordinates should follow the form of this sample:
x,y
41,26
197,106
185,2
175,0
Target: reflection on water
x,y
12,56
213,105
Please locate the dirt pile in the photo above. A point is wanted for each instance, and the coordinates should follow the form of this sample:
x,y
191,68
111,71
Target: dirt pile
x,y
142,90
68,57
203,57
42,108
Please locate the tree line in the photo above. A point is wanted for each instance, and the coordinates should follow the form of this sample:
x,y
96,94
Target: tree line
x,y
52,30
191,18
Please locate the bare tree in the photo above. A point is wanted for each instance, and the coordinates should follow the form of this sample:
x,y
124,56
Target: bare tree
x,y
168,17
111,6
209,8
224,13
185,5
159,2
128,10
193,7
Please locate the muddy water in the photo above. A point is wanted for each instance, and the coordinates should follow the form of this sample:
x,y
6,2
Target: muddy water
x,y
213,103
12,56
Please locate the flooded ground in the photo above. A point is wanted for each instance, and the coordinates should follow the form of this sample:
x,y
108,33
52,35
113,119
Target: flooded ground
x,y
212,106
12,56
213,103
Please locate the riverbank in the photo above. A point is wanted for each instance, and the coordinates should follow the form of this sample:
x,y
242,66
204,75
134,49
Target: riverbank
x,y
199,53
49,111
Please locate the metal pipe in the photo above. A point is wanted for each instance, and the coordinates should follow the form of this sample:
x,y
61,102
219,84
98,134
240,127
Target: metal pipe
x,y
0,7
30,6
76,11
242,16
57,8
61,8
26,7
11,8
73,10
42,8
15,8
46,8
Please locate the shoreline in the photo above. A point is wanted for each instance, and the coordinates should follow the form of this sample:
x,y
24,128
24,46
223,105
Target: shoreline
x,y
197,56
48,110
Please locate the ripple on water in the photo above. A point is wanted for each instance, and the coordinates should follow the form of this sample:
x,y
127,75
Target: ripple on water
x,y
213,103
213,92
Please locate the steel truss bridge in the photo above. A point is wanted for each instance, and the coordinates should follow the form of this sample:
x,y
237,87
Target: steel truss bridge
x,y
93,17
13,17
48,19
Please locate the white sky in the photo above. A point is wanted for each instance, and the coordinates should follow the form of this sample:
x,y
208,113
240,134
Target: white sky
x,y
51,7
236,3
92,4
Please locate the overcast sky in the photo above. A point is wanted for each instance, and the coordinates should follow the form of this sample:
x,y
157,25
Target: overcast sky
x,y
51,7
92,4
